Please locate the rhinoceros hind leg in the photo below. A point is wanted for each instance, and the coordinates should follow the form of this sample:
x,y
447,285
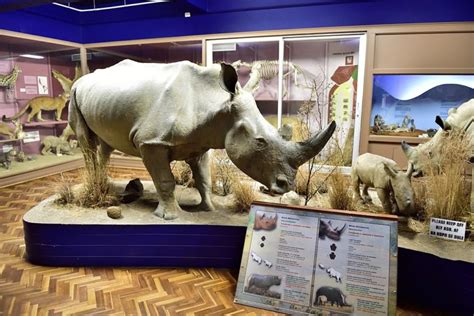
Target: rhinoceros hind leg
x,y
104,152
202,178
365,194
156,161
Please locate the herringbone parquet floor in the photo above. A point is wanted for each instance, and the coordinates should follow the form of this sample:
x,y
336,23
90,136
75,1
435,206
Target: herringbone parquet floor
x,y
26,289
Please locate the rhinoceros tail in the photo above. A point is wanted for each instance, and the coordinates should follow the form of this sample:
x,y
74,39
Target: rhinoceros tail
x,y
85,137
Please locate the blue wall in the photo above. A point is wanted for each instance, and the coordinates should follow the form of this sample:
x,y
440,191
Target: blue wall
x,y
149,21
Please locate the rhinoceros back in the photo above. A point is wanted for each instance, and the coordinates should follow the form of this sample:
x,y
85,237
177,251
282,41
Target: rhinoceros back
x,y
130,103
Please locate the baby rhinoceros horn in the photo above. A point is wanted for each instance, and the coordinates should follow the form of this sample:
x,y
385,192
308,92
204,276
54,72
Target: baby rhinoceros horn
x,y
303,151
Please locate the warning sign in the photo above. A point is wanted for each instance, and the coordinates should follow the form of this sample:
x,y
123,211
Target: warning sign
x,y
447,229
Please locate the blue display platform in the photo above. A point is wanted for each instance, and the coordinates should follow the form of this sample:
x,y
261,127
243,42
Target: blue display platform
x,y
434,283
156,245
424,280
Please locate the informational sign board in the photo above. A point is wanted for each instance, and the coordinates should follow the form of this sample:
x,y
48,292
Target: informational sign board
x,y
304,261
31,137
447,229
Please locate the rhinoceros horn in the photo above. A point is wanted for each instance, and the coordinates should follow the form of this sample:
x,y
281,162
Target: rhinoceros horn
x,y
442,123
303,151
410,169
406,148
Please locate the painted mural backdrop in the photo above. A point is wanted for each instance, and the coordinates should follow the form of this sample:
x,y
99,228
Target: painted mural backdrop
x,y
409,103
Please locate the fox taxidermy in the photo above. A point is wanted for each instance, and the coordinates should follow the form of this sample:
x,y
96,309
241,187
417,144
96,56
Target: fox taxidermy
x,y
45,103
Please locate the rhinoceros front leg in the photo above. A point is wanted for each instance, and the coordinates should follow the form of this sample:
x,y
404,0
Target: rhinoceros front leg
x,y
356,186
202,178
157,163
384,197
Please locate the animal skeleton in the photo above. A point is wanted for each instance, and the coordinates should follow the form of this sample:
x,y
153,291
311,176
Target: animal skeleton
x,y
9,80
268,70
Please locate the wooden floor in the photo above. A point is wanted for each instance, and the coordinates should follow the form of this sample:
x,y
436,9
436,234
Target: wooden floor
x,y
26,289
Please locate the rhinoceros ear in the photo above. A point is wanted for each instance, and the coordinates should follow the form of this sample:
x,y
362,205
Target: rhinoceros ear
x,y
229,77
390,171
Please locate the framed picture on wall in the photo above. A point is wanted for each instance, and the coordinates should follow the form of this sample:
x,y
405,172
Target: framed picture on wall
x,y
349,60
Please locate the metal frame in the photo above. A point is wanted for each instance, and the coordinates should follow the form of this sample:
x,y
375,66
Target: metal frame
x,y
294,38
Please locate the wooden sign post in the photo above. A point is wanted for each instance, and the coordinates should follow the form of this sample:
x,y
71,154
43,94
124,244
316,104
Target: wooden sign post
x,y
304,261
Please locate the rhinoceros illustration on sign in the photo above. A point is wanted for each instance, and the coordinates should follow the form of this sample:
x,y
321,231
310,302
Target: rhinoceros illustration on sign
x,y
178,111
333,295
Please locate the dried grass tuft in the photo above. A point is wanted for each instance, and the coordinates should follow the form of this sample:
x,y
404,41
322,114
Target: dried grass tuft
x,y
447,190
340,195
96,187
65,191
223,173
308,184
420,196
182,173
244,195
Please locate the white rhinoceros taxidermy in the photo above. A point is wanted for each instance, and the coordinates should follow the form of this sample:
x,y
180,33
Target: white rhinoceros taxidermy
x,y
460,118
178,112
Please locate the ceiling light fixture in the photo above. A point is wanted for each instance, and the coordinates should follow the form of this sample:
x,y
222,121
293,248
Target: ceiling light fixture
x,y
32,56
124,5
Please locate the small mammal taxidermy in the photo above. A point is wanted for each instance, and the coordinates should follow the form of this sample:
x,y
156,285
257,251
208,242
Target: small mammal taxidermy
x,y
5,129
67,132
16,132
57,144
392,185
5,160
45,103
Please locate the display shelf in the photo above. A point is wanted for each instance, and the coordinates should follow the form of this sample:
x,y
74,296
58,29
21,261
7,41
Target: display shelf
x,y
397,139
42,166
44,123
2,141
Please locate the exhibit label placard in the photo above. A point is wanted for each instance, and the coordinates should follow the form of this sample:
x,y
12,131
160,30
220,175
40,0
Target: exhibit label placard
x,y
304,261
447,229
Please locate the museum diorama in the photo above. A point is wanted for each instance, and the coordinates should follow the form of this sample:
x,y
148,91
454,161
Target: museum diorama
x,y
323,168
34,92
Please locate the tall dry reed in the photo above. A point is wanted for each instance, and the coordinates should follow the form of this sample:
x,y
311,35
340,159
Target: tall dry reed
x,y
447,191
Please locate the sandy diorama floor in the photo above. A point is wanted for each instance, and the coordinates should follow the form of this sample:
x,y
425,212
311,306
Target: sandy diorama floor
x,y
140,212
38,162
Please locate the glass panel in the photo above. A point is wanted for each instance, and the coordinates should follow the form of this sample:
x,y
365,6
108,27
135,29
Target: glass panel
x,y
320,85
257,66
35,81
406,105
148,53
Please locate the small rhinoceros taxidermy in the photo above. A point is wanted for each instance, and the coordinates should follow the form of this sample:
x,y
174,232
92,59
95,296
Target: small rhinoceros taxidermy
x,y
179,111
392,185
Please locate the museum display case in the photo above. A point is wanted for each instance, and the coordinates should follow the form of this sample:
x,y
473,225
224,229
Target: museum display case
x,y
304,81
99,57
256,60
163,52
35,82
406,105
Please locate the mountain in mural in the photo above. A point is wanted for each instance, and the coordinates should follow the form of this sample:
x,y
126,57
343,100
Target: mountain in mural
x,y
423,108
441,93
